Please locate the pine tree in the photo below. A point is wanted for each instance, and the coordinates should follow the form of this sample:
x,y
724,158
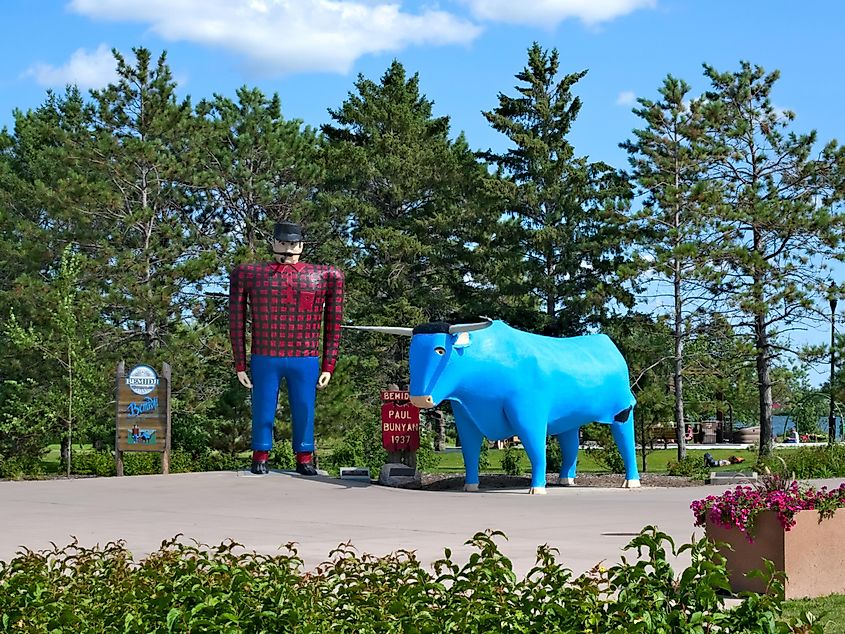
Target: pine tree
x,y
778,218
153,252
259,166
560,242
405,195
669,167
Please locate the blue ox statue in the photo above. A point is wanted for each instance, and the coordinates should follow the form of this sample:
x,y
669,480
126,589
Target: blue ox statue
x,y
504,382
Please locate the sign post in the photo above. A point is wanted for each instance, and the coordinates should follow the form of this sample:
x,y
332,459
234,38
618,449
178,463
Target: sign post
x,y
400,427
143,413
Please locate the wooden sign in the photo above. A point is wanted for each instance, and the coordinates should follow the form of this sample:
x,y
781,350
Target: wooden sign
x,y
143,413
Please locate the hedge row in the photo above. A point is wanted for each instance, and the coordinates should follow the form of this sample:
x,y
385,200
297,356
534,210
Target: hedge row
x,y
101,463
190,588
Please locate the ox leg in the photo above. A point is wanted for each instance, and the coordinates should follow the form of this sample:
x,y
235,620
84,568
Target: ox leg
x,y
623,434
471,439
568,442
531,428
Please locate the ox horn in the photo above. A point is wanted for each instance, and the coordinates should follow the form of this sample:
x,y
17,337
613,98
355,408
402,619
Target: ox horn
x,y
453,330
387,330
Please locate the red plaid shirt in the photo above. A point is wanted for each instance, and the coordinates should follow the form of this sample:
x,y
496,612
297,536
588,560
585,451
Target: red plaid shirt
x,y
287,304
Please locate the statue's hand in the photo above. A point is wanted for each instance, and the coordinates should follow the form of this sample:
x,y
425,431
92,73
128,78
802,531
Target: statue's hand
x,y
324,379
243,377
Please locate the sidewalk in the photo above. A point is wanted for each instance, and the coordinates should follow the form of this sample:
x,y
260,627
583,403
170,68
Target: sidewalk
x,y
588,525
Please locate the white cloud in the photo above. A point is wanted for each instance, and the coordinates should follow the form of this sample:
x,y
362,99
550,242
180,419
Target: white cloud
x,y
626,98
285,36
552,12
86,70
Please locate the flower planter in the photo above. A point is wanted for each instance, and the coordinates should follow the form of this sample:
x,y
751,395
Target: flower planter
x,y
811,553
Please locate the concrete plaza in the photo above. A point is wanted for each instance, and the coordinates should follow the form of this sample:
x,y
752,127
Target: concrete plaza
x,y
587,525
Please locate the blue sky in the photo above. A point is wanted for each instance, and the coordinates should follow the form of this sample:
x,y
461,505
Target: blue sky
x,y
466,51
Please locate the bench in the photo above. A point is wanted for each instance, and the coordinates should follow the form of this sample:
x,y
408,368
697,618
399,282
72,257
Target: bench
x,y
662,433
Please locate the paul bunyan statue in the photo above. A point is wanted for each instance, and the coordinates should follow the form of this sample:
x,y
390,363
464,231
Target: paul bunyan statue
x,y
290,302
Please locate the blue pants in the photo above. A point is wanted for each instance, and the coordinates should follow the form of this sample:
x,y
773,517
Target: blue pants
x,y
301,374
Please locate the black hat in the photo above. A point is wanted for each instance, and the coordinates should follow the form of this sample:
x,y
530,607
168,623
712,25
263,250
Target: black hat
x,y
287,232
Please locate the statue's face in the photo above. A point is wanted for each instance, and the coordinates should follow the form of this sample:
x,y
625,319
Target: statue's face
x,y
287,249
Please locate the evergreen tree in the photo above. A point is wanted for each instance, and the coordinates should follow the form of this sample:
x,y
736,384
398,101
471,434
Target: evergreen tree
x,y
405,194
778,219
560,243
719,372
260,168
669,167
153,253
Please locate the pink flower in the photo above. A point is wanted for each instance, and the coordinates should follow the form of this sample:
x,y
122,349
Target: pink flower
x,y
740,506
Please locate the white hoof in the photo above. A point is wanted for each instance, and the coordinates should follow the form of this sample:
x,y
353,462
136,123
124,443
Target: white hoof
x,y
471,487
631,484
537,491
566,482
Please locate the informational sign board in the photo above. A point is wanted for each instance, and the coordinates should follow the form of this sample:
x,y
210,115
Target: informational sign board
x,y
400,422
143,413
400,427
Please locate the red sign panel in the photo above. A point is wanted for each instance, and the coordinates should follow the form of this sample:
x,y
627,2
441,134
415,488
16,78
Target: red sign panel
x,y
395,395
400,426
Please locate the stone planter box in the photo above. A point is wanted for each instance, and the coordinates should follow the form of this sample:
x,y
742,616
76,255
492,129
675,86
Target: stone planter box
x,y
811,553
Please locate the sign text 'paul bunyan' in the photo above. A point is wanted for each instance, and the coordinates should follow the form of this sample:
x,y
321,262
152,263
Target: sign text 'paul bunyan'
x,y
400,422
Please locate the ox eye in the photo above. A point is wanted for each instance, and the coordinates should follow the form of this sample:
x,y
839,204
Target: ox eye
x,y
439,350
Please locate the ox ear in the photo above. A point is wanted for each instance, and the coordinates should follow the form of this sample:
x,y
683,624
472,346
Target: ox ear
x,y
457,328
387,330
461,340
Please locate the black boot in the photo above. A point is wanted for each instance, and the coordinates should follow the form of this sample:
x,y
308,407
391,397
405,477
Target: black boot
x,y
259,467
306,469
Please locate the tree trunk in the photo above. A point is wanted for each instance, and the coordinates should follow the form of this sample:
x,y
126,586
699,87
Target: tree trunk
x,y
765,385
439,429
69,409
680,428
763,354
64,450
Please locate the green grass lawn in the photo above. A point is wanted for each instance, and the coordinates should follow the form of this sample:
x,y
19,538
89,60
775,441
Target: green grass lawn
x,y
829,611
657,461
453,462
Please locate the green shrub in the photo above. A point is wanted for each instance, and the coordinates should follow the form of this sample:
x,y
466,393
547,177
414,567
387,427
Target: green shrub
x,y
512,460
427,458
187,588
809,462
689,467
484,456
97,463
344,455
21,468
606,454
181,461
361,447
101,463
282,456
553,457
219,461
141,463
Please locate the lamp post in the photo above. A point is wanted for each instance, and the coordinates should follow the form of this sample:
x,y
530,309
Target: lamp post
x,y
831,418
